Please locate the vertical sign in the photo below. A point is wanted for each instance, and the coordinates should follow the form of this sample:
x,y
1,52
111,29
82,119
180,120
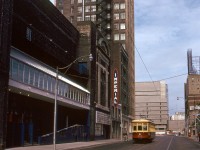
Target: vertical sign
x,y
115,87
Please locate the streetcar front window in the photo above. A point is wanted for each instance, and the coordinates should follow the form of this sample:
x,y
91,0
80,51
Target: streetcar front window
x,y
134,128
139,127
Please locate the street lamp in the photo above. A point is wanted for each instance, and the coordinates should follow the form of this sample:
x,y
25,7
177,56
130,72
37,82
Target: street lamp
x,y
56,93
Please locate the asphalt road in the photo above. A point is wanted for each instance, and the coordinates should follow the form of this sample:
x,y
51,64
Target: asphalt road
x,y
159,143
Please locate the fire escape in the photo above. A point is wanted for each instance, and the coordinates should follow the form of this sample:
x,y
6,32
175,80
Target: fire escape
x,y
103,17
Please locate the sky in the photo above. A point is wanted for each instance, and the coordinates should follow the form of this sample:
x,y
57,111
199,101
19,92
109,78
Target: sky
x,y
164,31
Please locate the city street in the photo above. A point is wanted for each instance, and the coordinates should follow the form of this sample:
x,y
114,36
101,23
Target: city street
x,y
160,143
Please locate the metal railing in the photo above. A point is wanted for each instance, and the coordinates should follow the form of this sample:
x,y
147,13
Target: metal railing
x,y
73,133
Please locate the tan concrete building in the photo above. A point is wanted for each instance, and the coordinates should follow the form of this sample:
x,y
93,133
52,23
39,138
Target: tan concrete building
x,y
176,124
115,20
151,102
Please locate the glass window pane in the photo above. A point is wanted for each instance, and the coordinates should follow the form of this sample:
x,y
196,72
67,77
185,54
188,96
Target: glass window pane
x,y
36,78
93,8
116,16
87,18
135,128
21,72
26,74
87,8
32,70
139,127
116,6
14,69
45,82
122,36
79,9
116,26
116,37
41,81
122,6
122,26
122,15
49,84
93,17
79,18
53,82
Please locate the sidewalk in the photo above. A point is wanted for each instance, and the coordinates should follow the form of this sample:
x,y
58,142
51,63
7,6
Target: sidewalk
x,y
69,146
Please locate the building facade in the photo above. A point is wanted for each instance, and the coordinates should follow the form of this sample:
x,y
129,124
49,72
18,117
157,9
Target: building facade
x,y
192,95
92,41
192,104
152,103
115,20
38,39
176,123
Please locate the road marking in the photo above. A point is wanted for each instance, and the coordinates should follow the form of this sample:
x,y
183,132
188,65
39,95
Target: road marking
x,y
170,143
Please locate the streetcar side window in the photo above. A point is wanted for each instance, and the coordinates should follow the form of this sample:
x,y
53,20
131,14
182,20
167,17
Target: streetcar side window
x,y
145,127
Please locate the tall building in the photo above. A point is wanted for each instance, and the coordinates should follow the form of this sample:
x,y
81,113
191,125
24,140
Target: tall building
x,y
151,102
34,41
115,20
192,95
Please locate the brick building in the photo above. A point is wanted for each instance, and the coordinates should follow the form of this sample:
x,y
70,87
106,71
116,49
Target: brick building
x,y
115,20
192,95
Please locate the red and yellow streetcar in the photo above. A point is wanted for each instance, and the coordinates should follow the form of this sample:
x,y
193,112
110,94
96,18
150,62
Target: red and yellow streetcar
x,y
143,130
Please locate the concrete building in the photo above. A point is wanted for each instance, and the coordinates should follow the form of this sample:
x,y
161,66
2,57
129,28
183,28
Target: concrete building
x,y
192,95
176,123
115,21
178,116
151,102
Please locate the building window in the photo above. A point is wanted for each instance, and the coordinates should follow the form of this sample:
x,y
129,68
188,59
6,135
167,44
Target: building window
x,y
108,15
116,37
87,8
116,6
122,16
93,0
87,1
108,36
71,19
72,1
122,26
93,8
116,26
122,36
108,26
93,17
79,9
28,34
79,18
79,1
87,18
108,6
116,16
122,6
72,10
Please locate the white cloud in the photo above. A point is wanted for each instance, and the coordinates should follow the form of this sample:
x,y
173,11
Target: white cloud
x,y
164,30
